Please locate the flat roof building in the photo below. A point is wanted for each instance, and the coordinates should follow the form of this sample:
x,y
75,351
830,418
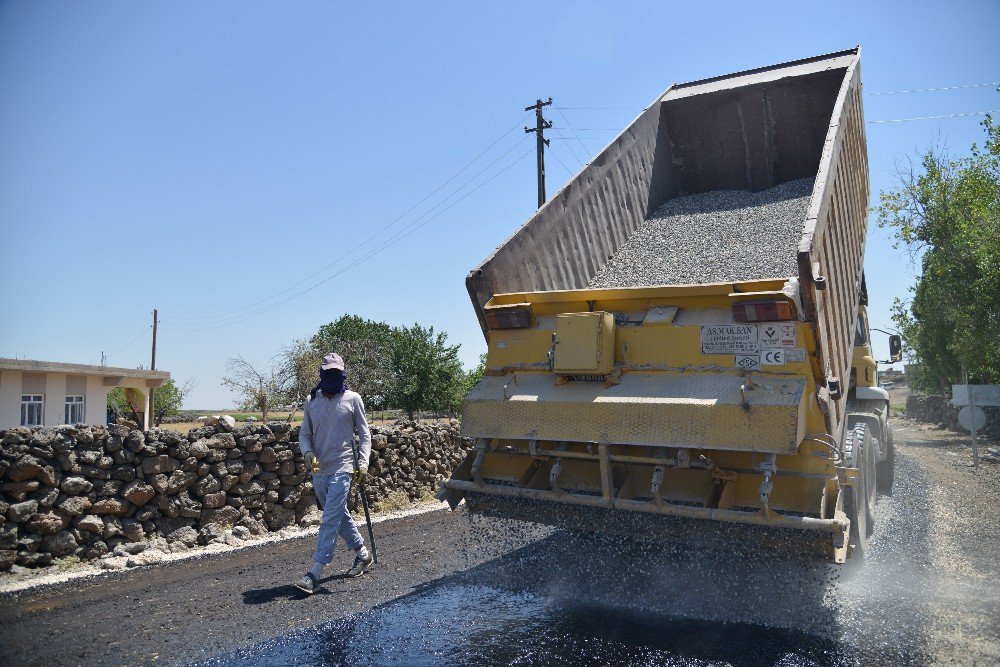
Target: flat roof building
x,y
48,393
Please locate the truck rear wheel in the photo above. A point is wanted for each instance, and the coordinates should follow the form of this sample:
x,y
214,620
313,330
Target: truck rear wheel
x,y
886,470
857,499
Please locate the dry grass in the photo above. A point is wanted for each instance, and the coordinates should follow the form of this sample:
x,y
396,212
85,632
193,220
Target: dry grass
x,y
397,500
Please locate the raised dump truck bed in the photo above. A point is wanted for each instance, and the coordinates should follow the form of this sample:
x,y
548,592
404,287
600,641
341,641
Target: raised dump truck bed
x,y
750,130
679,331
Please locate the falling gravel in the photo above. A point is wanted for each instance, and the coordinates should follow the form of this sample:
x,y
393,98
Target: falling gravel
x,y
712,237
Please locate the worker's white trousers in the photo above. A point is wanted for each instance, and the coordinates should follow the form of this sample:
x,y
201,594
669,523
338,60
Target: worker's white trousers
x,y
332,492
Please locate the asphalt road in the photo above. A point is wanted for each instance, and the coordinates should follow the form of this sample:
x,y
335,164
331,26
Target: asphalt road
x,y
455,589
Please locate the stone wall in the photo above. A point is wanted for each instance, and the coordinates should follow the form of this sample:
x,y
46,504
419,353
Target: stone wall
x,y
939,410
107,491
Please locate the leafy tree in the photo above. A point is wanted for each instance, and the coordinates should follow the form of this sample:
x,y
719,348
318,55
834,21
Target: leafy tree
x,y
366,347
168,399
427,374
259,390
470,381
299,368
946,213
119,404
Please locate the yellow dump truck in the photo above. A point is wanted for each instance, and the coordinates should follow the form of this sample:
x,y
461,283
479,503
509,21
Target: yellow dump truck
x,y
680,333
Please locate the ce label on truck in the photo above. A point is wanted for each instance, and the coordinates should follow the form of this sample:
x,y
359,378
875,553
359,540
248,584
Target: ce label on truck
x,y
730,339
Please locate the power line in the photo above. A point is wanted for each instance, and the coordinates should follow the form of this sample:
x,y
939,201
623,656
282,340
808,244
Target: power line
x,y
950,115
933,90
872,94
128,344
870,122
221,319
368,240
586,150
571,139
568,170
400,235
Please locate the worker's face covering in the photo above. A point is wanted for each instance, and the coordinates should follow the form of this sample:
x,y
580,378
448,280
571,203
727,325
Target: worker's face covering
x,y
331,381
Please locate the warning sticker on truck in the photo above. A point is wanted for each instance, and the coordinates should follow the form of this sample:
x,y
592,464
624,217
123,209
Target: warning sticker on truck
x,y
729,339
748,362
777,334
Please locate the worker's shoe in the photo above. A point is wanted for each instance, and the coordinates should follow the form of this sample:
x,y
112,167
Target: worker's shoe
x,y
361,565
307,583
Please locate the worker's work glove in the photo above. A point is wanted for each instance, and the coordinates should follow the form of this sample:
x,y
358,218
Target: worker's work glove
x,y
360,475
311,462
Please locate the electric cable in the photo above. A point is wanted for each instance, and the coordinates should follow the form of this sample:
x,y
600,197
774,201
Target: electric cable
x,y
933,90
586,150
950,115
568,170
221,320
128,344
197,318
400,235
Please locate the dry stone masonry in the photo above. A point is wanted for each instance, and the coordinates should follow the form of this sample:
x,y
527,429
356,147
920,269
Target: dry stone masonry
x,y
128,496
940,410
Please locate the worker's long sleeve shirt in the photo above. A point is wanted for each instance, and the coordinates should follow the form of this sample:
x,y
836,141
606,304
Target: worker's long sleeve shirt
x,y
328,429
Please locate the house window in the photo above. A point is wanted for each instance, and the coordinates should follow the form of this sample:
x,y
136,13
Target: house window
x,y
32,407
74,409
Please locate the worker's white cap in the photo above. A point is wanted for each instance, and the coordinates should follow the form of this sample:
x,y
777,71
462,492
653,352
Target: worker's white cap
x,y
332,360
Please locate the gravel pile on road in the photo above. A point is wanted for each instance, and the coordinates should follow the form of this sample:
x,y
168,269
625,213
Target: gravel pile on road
x,y
713,237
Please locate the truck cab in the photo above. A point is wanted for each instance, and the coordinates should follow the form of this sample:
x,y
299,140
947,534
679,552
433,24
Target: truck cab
x,y
868,403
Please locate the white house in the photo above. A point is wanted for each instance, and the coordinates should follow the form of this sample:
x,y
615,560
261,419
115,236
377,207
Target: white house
x,y
47,393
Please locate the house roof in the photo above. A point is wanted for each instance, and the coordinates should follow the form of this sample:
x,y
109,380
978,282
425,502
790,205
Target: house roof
x,y
34,366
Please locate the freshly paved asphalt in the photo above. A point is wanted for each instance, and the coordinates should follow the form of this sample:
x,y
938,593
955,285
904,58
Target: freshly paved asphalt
x,y
926,593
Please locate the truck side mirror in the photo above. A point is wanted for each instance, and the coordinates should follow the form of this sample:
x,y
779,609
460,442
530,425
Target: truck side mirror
x,y
895,348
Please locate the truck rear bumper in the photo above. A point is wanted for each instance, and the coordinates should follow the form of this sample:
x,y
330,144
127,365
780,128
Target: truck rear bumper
x,y
838,525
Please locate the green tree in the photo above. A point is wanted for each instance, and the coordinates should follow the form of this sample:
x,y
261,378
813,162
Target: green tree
x,y
168,399
299,369
946,212
366,348
470,381
427,374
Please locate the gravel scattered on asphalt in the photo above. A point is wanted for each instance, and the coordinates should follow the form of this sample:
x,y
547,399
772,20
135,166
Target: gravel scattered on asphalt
x,y
712,237
456,588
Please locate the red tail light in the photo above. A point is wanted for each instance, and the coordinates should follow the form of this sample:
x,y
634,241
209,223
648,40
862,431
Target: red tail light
x,y
508,318
763,311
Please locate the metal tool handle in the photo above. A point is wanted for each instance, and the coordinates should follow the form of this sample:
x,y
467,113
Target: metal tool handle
x,y
364,500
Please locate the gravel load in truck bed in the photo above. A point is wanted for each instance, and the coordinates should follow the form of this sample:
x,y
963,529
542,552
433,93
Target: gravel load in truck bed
x,y
713,237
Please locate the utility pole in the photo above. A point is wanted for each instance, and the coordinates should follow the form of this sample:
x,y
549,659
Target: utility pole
x,y
540,143
152,367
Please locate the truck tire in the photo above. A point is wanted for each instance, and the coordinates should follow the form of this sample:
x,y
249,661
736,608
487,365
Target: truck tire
x,y
886,470
857,499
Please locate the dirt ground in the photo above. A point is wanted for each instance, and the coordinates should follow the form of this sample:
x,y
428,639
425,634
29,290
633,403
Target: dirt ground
x,y
926,593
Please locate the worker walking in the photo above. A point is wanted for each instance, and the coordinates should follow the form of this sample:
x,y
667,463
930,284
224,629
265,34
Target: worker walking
x,y
331,420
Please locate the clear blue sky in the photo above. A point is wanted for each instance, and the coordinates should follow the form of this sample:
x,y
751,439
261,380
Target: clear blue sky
x,y
199,157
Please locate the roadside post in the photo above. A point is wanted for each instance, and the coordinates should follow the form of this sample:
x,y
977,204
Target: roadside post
x,y
972,398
